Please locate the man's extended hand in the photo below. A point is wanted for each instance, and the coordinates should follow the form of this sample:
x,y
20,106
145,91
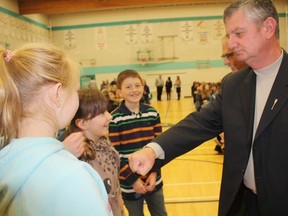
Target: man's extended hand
x,y
142,161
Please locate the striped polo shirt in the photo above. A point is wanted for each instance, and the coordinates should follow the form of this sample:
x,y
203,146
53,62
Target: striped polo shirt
x,y
128,133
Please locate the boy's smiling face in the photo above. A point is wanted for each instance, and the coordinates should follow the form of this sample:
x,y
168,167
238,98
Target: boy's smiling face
x,y
131,90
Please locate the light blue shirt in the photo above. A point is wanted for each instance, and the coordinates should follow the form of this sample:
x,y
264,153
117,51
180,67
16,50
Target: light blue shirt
x,y
38,177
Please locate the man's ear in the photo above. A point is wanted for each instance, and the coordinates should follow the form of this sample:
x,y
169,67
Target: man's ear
x,y
270,25
81,123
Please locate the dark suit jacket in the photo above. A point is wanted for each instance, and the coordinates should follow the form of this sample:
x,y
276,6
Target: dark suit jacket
x,y
233,113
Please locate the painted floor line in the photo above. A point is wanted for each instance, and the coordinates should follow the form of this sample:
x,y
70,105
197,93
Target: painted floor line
x,y
202,198
191,183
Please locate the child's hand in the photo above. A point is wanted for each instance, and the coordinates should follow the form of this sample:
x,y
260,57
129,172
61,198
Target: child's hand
x,y
139,186
151,181
75,143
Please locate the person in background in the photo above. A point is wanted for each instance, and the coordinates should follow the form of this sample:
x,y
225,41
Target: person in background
x,y
146,93
198,98
92,118
232,62
194,87
113,82
177,85
104,85
133,125
37,175
113,102
229,58
168,87
251,110
92,83
159,86
112,86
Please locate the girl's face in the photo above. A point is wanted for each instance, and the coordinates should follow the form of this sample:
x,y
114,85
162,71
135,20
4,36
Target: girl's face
x,y
98,126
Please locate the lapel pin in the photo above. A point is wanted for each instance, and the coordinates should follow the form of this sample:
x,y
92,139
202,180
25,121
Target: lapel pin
x,y
275,101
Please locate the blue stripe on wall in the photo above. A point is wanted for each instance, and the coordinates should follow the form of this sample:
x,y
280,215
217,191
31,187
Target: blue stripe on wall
x,y
93,25
16,15
148,67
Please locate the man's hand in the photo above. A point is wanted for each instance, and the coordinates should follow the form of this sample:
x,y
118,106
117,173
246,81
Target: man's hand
x,y
142,161
75,143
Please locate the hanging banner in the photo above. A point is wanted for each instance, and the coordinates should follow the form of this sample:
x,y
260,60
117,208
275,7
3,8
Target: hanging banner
x,y
203,37
186,30
131,34
219,30
69,39
203,31
101,39
146,33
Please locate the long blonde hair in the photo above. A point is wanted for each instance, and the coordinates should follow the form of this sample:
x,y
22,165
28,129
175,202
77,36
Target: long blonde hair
x,y
24,73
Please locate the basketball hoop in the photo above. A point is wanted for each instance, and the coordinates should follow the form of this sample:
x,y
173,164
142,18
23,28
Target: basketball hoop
x,y
143,56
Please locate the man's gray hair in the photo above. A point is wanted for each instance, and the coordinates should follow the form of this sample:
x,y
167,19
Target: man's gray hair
x,y
256,10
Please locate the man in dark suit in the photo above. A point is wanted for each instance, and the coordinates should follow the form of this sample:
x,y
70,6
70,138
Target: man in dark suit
x,y
252,110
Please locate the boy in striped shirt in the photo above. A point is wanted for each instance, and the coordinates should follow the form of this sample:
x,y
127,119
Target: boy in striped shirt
x,y
133,125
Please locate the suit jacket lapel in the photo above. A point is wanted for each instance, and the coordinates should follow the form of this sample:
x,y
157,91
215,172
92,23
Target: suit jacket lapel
x,y
247,97
277,97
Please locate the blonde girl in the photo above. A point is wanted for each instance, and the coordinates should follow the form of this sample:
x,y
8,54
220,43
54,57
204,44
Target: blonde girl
x,y
37,176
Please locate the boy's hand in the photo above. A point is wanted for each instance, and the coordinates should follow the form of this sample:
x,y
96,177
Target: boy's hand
x,y
151,181
139,186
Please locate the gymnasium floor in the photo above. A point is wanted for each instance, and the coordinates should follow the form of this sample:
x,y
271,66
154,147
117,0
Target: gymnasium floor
x,y
191,181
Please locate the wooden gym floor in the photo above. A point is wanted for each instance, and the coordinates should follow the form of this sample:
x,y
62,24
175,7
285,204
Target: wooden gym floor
x,y
191,181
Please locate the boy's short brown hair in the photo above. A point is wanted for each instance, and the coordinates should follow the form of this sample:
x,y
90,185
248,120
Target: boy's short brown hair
x,y
126,74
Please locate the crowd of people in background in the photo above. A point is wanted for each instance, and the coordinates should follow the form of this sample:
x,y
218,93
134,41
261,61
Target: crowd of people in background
x,y
109,89
203,92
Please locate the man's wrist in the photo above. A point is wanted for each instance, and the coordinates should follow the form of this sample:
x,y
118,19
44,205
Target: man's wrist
x,y
157,150
148,148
